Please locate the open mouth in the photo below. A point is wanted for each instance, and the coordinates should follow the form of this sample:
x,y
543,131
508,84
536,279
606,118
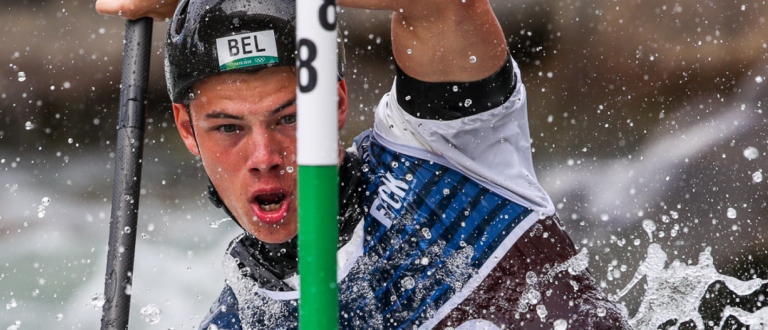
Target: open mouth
x,y
270,208
270,202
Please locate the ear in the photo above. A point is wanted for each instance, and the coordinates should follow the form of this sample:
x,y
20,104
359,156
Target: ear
x,y
184,125
343,103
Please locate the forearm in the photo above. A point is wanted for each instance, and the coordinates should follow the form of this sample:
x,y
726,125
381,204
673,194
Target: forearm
x,y
133,9
443,40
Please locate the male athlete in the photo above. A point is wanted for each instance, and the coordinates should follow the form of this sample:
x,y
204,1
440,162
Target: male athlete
x,y
442,221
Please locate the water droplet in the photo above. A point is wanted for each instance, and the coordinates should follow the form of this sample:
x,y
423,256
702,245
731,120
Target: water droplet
x,y
409,176
731,213
649,226
542,312
533,296
127,229
560,325
759,79
407,97
22,76
191,96
751,153
531,278
97,301
600,311
455,88
472,59
289,169
11,304
664,219
409,51
217,223
59,317
408,282
46,201
467,102
674,214
426,232
41,213
604,217
446,191
151,313
425,261
29,125
757,176
394,164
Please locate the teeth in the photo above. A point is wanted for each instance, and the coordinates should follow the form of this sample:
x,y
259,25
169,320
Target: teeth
x,y
270,207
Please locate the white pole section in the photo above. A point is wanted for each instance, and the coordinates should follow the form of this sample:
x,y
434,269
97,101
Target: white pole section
x,y
317,98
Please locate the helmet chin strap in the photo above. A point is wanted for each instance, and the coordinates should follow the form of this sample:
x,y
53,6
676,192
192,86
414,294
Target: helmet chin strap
x,y
213,195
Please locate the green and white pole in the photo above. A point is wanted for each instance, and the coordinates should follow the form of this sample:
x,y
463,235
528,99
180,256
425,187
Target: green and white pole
x,y
318,156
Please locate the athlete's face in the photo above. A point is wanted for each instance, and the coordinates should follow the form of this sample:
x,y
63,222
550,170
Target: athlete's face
x,y
243,126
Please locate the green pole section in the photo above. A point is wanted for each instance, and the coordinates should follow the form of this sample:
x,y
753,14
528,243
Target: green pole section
x,y
318,209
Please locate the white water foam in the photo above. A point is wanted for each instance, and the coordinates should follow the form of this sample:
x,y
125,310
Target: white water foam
x,y
675,292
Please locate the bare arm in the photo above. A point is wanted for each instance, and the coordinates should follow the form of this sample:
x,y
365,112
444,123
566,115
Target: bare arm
x,y
443,40
133,9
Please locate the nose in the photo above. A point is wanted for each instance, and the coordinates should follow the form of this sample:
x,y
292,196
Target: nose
x,y
265,154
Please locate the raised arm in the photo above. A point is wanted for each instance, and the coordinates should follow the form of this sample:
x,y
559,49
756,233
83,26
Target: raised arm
x,y
443,40
433,40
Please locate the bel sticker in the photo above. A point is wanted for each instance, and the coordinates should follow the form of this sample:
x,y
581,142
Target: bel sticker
x,y
247,49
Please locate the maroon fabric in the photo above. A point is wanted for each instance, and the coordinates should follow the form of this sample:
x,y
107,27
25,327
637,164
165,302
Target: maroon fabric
x,y
572,296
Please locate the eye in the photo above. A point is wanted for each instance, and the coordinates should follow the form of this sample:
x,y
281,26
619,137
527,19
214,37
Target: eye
x,y
228,128
288,120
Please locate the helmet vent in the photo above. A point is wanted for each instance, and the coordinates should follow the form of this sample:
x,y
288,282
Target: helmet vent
x,y
181,18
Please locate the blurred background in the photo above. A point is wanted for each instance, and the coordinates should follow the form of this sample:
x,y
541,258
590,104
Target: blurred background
x,y
648,121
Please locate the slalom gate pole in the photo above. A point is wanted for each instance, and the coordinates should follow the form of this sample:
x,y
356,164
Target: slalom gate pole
x,y
127,180
318,156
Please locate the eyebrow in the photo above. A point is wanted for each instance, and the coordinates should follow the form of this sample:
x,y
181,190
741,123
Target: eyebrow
x,y
218,114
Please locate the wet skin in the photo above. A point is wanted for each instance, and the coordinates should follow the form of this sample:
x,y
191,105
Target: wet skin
x,y
245,133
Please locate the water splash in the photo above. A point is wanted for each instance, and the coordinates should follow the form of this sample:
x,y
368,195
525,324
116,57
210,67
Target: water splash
x,y
649,227
11,304
674,292
756,320
151,313
531,295
217,223
97,301
15,326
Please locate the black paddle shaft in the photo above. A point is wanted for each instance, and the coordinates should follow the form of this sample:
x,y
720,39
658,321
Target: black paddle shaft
x,y
127,182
